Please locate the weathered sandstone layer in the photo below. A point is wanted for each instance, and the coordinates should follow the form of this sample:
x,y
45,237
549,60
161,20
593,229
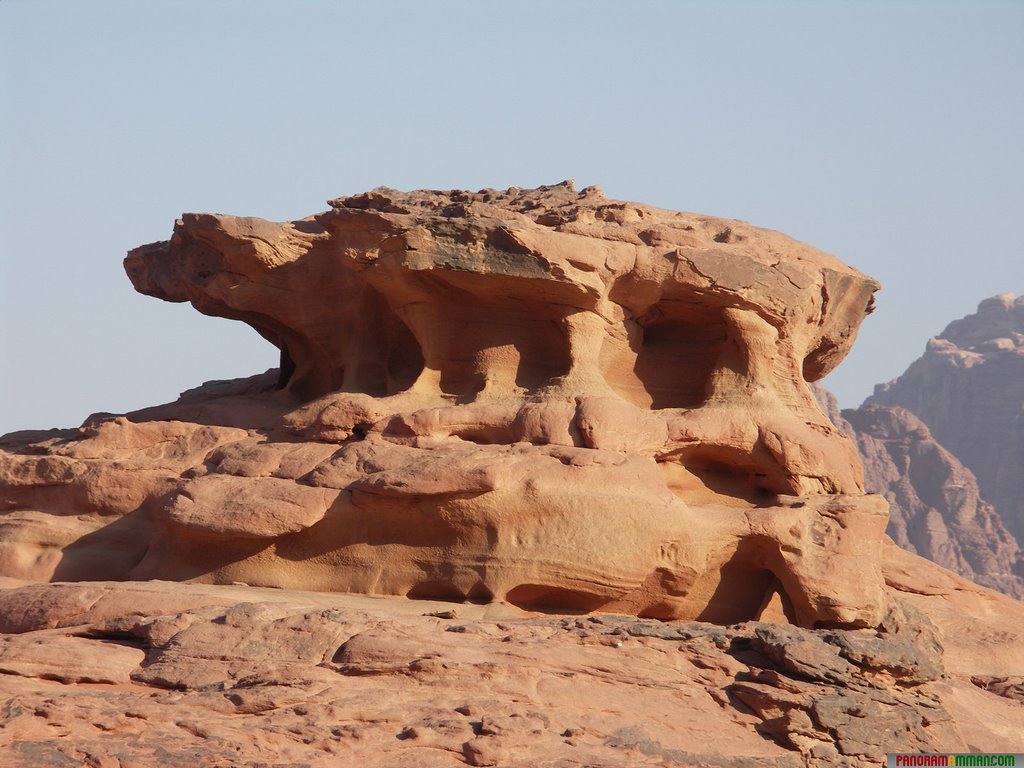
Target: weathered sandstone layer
x,y
538,396
136,674
968,388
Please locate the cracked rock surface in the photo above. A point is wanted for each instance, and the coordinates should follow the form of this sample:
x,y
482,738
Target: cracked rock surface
x,y
135,674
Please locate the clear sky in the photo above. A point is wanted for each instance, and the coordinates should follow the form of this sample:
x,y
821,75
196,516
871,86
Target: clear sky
x,y
890,134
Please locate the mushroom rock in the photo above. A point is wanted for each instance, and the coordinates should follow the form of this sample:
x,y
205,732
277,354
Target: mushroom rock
x,y
542,397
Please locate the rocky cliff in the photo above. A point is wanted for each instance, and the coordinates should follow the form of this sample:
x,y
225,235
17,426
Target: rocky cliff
x,y
968,388
935,507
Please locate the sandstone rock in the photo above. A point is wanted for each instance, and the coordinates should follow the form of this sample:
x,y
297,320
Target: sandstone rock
x,y
243,507
56,656
968,388
531,402
178,673
537,396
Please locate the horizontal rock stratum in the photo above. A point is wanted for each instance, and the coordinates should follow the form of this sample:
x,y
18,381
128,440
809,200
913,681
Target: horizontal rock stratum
x,y
140,674
538,396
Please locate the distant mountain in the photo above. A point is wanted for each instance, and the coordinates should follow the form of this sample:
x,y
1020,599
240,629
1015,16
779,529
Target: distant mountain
x,y
935,508
968,388
944,443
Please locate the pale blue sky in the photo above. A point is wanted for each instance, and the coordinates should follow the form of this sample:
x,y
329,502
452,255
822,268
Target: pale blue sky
x,y
887,133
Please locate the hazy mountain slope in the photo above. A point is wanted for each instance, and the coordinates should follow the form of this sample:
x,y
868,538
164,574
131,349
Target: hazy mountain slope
x,y
935,508
968,388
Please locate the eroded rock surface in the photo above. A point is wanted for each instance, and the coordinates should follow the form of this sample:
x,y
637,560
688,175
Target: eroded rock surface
x,y
538,396
134,674
520,403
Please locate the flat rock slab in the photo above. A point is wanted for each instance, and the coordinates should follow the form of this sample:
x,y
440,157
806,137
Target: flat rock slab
x,y
134,674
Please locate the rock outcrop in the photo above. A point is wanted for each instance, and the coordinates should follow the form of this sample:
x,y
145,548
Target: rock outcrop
x,y
968,388
537,396
503,405
136,674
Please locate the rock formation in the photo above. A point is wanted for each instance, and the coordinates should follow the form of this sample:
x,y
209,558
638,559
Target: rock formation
x,y
518,403
145,673
935,508
968,388
537,396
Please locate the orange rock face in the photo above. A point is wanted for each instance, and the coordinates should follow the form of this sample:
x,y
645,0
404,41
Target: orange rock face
x,y
542,397
159,673
527,402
